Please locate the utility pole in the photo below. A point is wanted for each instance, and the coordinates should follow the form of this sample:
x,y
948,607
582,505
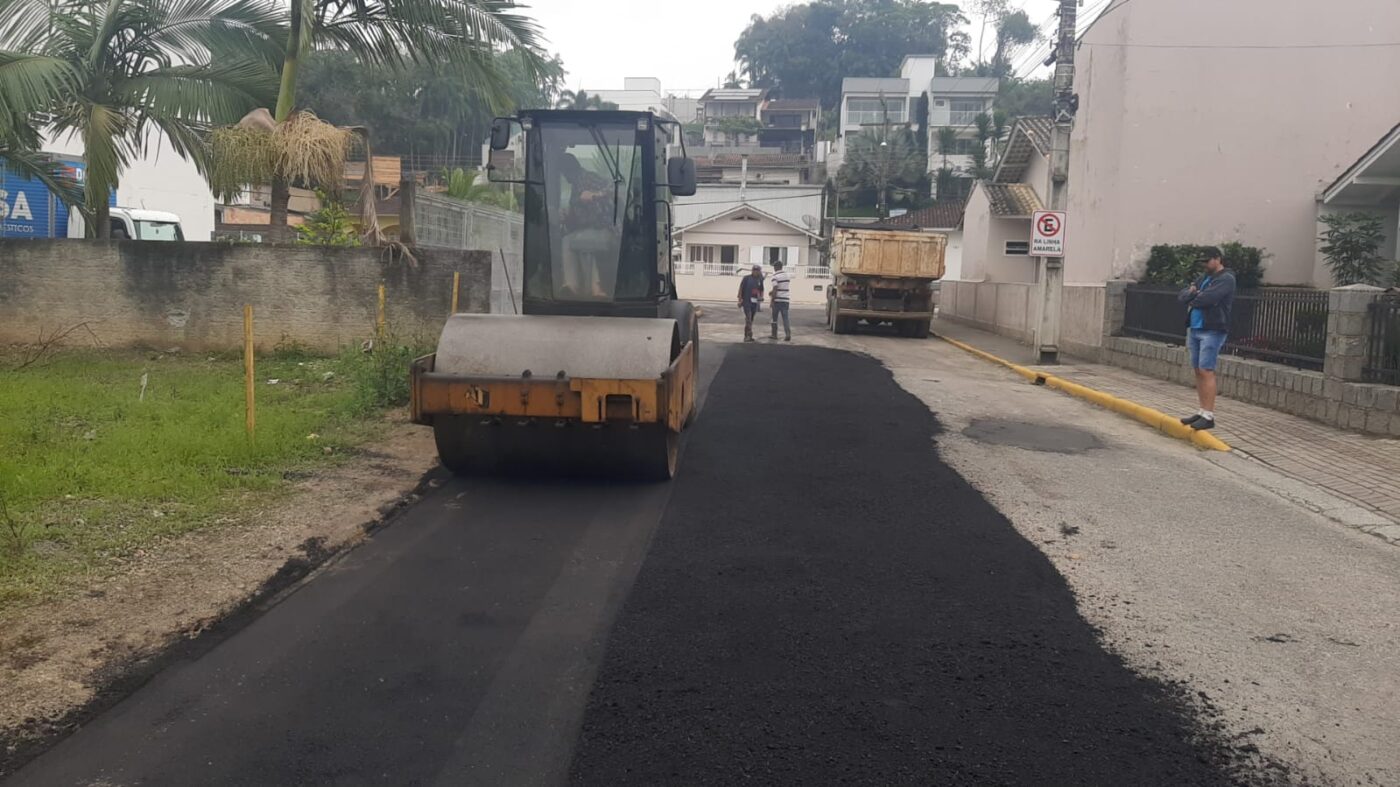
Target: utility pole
x,y
1052,269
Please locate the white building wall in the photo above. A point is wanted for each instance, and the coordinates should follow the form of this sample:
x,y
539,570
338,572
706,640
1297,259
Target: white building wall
x,y
160,180
1208,145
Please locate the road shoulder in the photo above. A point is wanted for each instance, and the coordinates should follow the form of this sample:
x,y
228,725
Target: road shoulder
x,y
63,660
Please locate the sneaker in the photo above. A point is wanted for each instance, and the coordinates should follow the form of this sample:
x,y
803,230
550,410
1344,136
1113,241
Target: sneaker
x,y
1191,419
788,339
1202,423
748,338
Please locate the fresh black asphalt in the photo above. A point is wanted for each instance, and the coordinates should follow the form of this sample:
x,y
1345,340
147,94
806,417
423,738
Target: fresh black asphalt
x,y
822,601
827,602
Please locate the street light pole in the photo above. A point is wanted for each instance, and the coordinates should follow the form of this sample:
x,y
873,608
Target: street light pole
x,y
1052,269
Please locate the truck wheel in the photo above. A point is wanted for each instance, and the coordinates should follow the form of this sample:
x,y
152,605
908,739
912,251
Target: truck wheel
x,y
843,325
921,329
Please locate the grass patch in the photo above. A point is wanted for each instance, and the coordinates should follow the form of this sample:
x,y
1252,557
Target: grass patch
x,y
94,469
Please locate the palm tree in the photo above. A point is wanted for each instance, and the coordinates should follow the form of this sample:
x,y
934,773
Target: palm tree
x,y
463,36
570,99
947,143
26,86
135,69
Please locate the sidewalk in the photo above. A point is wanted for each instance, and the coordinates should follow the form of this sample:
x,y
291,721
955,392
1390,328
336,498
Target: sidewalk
x,y
1356,467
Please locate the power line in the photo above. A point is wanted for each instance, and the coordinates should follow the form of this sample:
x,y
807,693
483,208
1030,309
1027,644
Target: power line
x,y
1245,46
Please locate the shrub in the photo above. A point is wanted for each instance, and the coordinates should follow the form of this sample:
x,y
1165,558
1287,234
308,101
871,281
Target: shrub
x,y
1175,265
380,370
1351,245
329,226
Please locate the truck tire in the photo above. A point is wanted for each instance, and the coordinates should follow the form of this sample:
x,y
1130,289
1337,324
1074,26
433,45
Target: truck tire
x,y
843,325
920,329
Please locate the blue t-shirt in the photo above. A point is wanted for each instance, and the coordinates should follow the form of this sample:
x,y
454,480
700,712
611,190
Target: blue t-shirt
x,y
1198,318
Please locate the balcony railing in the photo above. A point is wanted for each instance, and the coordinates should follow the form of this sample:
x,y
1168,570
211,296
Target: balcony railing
x,y
963,118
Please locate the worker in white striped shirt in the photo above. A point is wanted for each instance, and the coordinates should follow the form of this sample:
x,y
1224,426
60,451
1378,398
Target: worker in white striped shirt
x,y
780,294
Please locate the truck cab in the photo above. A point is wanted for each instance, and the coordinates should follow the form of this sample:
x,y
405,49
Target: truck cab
x,y
138,224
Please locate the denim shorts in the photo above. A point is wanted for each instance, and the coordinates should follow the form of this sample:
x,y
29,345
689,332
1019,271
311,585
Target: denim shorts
x,y
1205,348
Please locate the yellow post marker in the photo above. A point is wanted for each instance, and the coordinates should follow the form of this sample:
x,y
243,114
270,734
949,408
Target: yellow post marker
x,y
456,285
379,314
248,388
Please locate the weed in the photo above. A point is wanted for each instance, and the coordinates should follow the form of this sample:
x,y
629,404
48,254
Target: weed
x,y
93,470
380,371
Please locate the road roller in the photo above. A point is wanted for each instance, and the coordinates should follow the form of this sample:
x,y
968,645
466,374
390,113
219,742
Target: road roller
x,y
596,374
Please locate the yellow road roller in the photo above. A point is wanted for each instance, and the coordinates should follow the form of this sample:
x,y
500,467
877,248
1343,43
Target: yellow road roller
x,y
597,374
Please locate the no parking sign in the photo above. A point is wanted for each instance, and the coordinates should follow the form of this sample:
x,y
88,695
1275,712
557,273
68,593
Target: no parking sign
x,y
1048,233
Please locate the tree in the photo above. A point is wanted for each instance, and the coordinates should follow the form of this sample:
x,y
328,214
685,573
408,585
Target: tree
x,y
981,166
27,85
418,110
582,100
331,225
947,144
1026,97
135,69
807,49
885,160
462,184
1351,245
457,37
1014,31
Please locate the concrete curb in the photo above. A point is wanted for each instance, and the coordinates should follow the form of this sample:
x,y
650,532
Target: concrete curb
x,y
1153,418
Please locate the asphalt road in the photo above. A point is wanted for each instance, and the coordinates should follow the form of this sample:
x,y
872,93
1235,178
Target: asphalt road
x,y
819,599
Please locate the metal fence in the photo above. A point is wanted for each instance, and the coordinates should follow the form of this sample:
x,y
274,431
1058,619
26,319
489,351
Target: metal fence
x,y
1287,326
451,224
1383,351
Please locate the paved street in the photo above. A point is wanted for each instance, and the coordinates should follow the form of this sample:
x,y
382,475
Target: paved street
x,y
884,561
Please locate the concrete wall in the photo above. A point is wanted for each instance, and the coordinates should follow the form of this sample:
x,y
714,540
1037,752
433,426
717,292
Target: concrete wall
x,y
191,295
1003,308
1177,145
1082,320
984,244
1010,309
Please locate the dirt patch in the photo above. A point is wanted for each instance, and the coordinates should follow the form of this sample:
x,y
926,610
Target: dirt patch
x,y
64,659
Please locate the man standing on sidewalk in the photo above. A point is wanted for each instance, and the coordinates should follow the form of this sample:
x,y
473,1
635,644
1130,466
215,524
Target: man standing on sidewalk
x,y
781,294
1208,303
751,299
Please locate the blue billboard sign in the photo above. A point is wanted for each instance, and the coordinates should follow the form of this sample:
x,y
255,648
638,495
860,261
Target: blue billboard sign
x,y
29,210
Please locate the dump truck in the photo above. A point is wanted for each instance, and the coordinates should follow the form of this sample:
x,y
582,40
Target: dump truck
x,y
597,374
884,276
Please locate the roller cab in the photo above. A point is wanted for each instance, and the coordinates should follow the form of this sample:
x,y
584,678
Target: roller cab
x,y
598,375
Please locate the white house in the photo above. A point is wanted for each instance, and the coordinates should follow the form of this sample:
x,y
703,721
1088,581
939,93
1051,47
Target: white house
x,y
1370,186
868,103
640,94
955,102
944,218
724,230
1208,133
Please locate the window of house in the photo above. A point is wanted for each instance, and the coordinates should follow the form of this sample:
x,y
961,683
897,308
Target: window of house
x,y
773,254
701,253
728,254
965,110
873,111
1018,248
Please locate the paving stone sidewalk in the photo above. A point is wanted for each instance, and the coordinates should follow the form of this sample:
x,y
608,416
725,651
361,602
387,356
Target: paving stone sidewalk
x,y
1357,467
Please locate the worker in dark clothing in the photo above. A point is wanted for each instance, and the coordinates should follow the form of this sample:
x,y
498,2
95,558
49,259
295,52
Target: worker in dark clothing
x,y
751,299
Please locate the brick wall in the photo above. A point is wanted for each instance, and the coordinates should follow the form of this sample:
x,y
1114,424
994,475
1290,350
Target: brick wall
x,y
191,295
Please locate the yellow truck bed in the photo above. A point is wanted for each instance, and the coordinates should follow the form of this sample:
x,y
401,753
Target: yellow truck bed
x,y
889,254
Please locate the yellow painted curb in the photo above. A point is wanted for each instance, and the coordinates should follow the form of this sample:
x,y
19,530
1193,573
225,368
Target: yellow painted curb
x,y
1157,420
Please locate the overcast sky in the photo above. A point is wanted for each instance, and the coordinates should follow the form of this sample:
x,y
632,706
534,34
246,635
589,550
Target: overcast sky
x,y
687,45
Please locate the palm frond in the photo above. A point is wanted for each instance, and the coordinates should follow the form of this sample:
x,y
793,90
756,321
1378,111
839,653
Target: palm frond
x,y
32,83
23,161
211,94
